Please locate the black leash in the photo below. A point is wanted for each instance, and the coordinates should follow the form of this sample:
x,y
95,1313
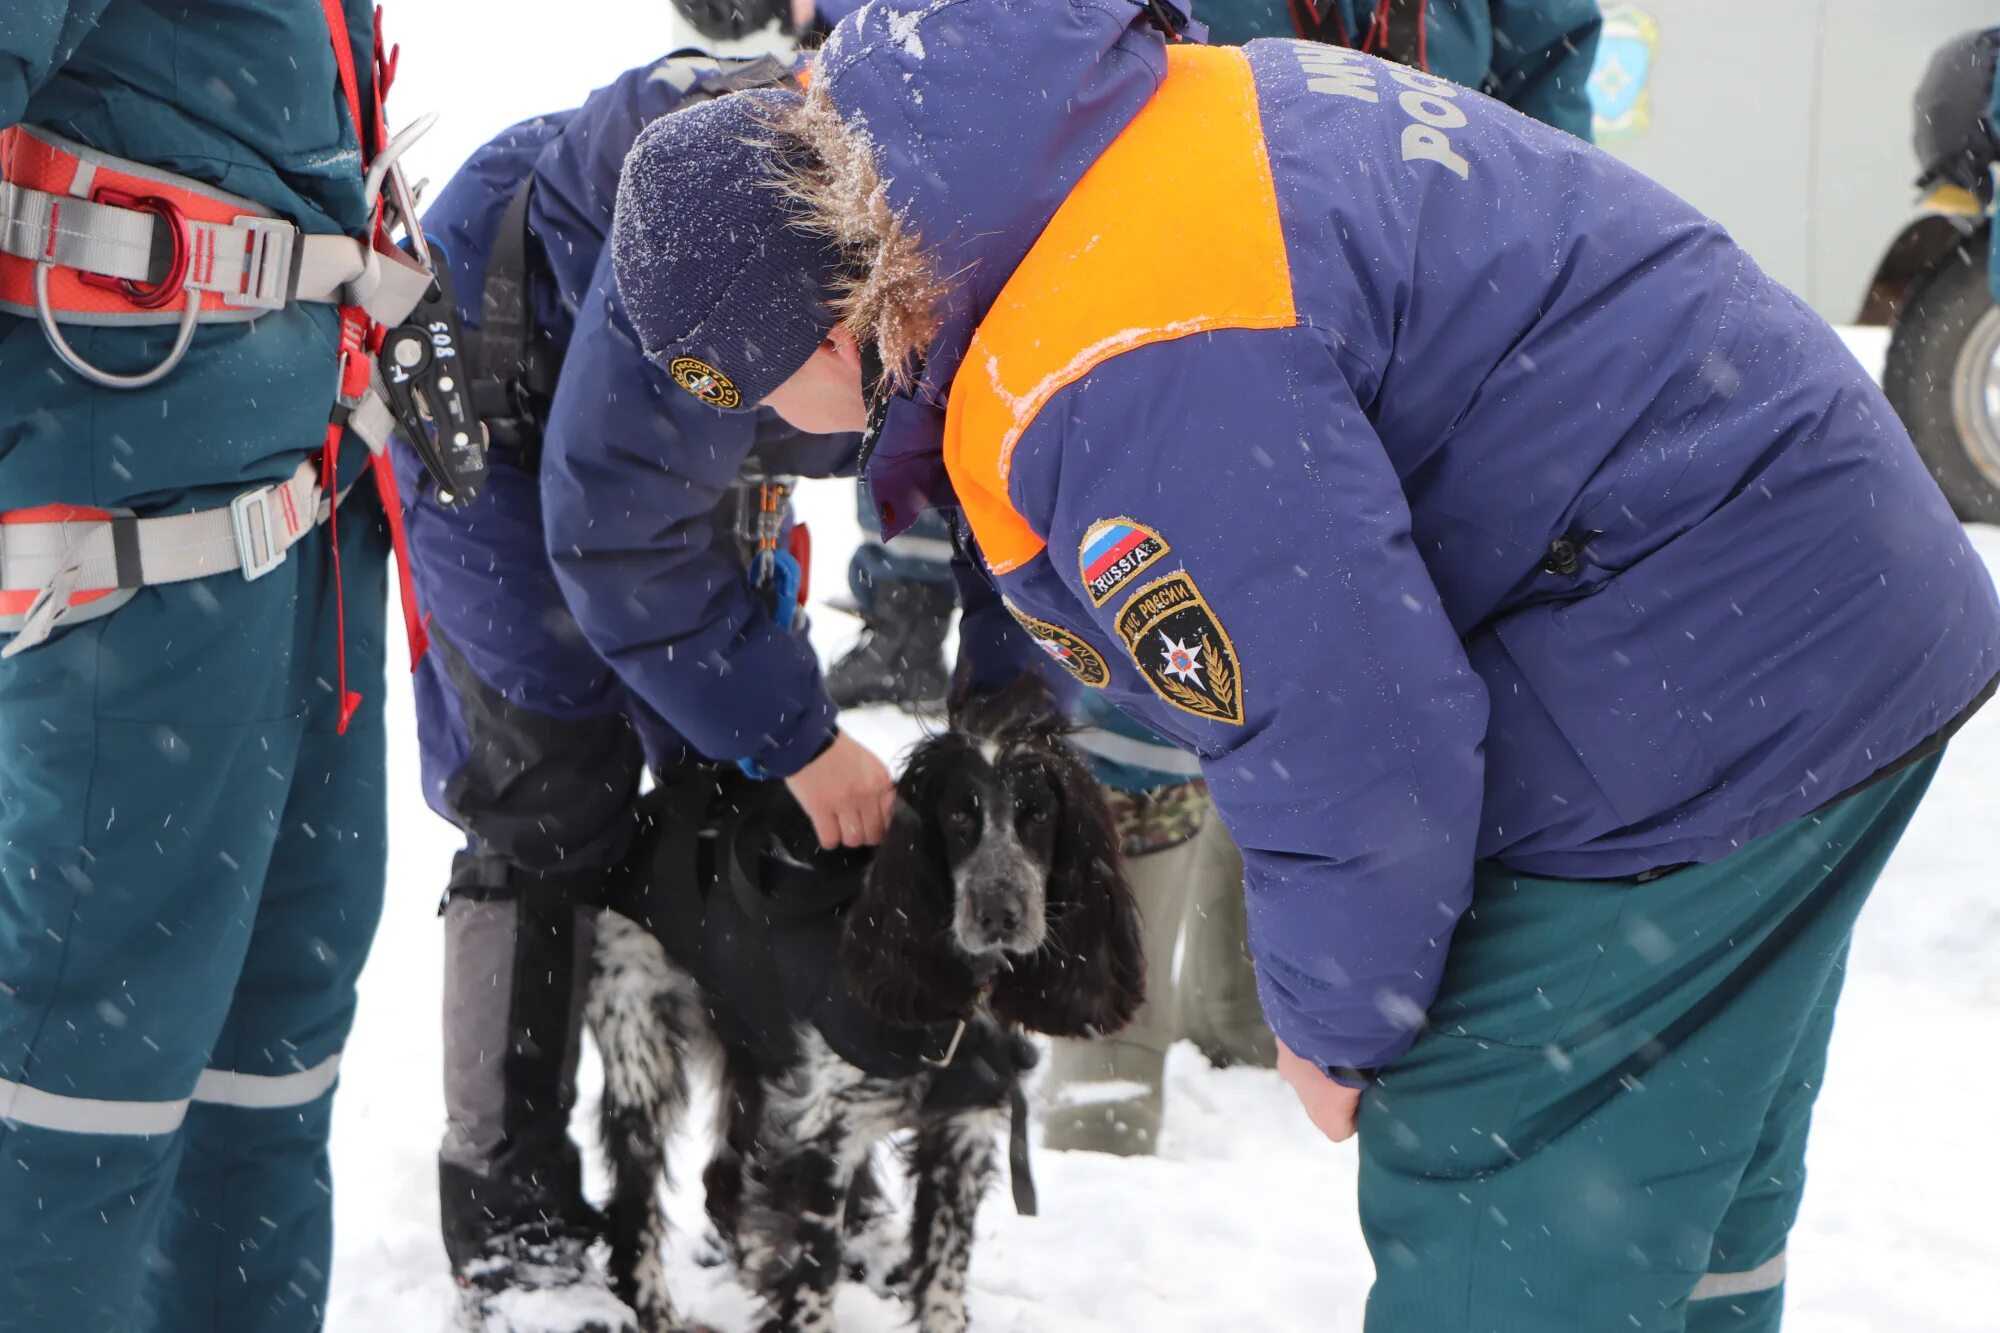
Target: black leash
x,y
1019,1170
1016,1056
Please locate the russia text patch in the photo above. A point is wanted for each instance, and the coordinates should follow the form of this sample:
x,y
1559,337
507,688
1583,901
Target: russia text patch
x,y
1113,551
1071,653
1181,649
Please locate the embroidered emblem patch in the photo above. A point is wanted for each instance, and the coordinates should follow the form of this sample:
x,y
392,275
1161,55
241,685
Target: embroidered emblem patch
x,y
1181,649
704,382
1113,552
1071,653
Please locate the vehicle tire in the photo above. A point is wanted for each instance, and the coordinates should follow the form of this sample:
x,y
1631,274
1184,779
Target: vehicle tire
x,y
1943,378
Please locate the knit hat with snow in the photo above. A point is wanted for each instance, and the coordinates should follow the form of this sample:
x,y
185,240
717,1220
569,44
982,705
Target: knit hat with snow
x,y
728,292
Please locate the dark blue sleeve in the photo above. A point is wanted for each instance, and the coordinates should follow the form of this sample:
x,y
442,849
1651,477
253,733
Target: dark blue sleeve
x,y
1353,783
36,39
993,653
634,474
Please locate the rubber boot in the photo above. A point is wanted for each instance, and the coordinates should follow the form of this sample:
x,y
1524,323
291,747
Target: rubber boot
x,y
1105,1096
900,657
516,1228
1218,983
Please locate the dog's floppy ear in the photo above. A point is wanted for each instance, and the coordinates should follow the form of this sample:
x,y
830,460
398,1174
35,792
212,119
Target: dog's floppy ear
x,y
1089,977
896,943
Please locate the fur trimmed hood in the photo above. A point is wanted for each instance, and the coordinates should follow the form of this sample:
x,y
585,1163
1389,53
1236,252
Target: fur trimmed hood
x,y
894,294
946,133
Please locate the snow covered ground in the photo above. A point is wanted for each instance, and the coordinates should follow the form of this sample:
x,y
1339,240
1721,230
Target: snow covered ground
x,y
1246,1219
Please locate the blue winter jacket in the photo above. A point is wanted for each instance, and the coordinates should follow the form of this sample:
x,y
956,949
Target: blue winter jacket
x,y
1450,488
632,477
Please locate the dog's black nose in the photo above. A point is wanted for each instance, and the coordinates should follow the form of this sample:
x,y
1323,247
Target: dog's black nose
x,y
999,920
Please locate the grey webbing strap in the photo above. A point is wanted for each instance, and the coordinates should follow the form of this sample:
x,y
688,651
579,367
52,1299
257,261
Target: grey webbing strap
x,y
249,262
251,534
254,263
339,270
76,233
372,420
48,607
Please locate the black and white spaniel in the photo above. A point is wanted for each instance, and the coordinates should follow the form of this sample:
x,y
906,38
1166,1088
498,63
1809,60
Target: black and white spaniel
x,y
997,904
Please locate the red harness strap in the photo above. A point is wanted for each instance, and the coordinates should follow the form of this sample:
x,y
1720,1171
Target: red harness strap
x,y
359,340
343,57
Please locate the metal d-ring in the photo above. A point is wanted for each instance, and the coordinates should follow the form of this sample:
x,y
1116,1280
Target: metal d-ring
x,y
190,315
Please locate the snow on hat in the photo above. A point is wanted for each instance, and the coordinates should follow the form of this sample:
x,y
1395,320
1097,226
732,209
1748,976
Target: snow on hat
x,y
728,292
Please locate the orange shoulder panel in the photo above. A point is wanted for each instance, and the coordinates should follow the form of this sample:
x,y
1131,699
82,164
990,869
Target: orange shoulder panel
x,y
1173,231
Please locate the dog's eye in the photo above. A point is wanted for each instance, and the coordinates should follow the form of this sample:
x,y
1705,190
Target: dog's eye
x,y
1035,813
962,820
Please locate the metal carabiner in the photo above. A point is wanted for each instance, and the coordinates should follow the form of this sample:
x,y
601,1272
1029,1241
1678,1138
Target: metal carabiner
x,y
385,169
190,316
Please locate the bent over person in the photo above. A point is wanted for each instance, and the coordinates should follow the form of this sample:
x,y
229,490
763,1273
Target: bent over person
x,y
1511,543
1536,58
662,522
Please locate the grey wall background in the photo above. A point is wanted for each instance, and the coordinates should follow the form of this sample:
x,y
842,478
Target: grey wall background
x,y
1786,120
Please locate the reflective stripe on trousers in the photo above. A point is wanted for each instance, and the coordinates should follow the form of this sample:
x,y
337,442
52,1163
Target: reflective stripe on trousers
x,y
1763,1277
23,1105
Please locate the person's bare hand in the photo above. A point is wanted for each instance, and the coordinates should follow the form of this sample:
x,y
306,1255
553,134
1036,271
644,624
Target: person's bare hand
x,y
1329,1105
848,794
802,13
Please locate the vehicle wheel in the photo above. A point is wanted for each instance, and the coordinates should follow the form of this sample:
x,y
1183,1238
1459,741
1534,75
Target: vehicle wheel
x,y
1943,378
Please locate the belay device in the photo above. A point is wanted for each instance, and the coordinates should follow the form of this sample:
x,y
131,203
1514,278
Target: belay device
x,y
429,389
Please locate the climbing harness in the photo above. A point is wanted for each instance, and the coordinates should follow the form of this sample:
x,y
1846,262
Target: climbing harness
x,y
90,239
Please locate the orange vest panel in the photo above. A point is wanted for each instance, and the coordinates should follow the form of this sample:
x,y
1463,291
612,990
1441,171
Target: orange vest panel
x,y
1173,231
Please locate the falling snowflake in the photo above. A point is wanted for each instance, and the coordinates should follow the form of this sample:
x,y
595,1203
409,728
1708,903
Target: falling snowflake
x,y
1182,662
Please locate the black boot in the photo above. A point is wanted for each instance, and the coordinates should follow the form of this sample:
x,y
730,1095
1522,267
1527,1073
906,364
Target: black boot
x,y
900,658
521,1252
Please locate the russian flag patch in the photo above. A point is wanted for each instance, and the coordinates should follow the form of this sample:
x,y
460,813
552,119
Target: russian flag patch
x,y
1113,551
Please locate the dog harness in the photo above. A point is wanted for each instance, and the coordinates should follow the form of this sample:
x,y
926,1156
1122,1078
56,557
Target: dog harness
x,y
90,239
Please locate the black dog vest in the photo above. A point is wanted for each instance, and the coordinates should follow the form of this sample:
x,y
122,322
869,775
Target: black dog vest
x,y
727,874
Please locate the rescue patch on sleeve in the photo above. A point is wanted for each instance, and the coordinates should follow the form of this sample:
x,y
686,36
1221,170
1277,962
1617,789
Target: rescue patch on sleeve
x,y
1113,552
1180,648
1071,653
